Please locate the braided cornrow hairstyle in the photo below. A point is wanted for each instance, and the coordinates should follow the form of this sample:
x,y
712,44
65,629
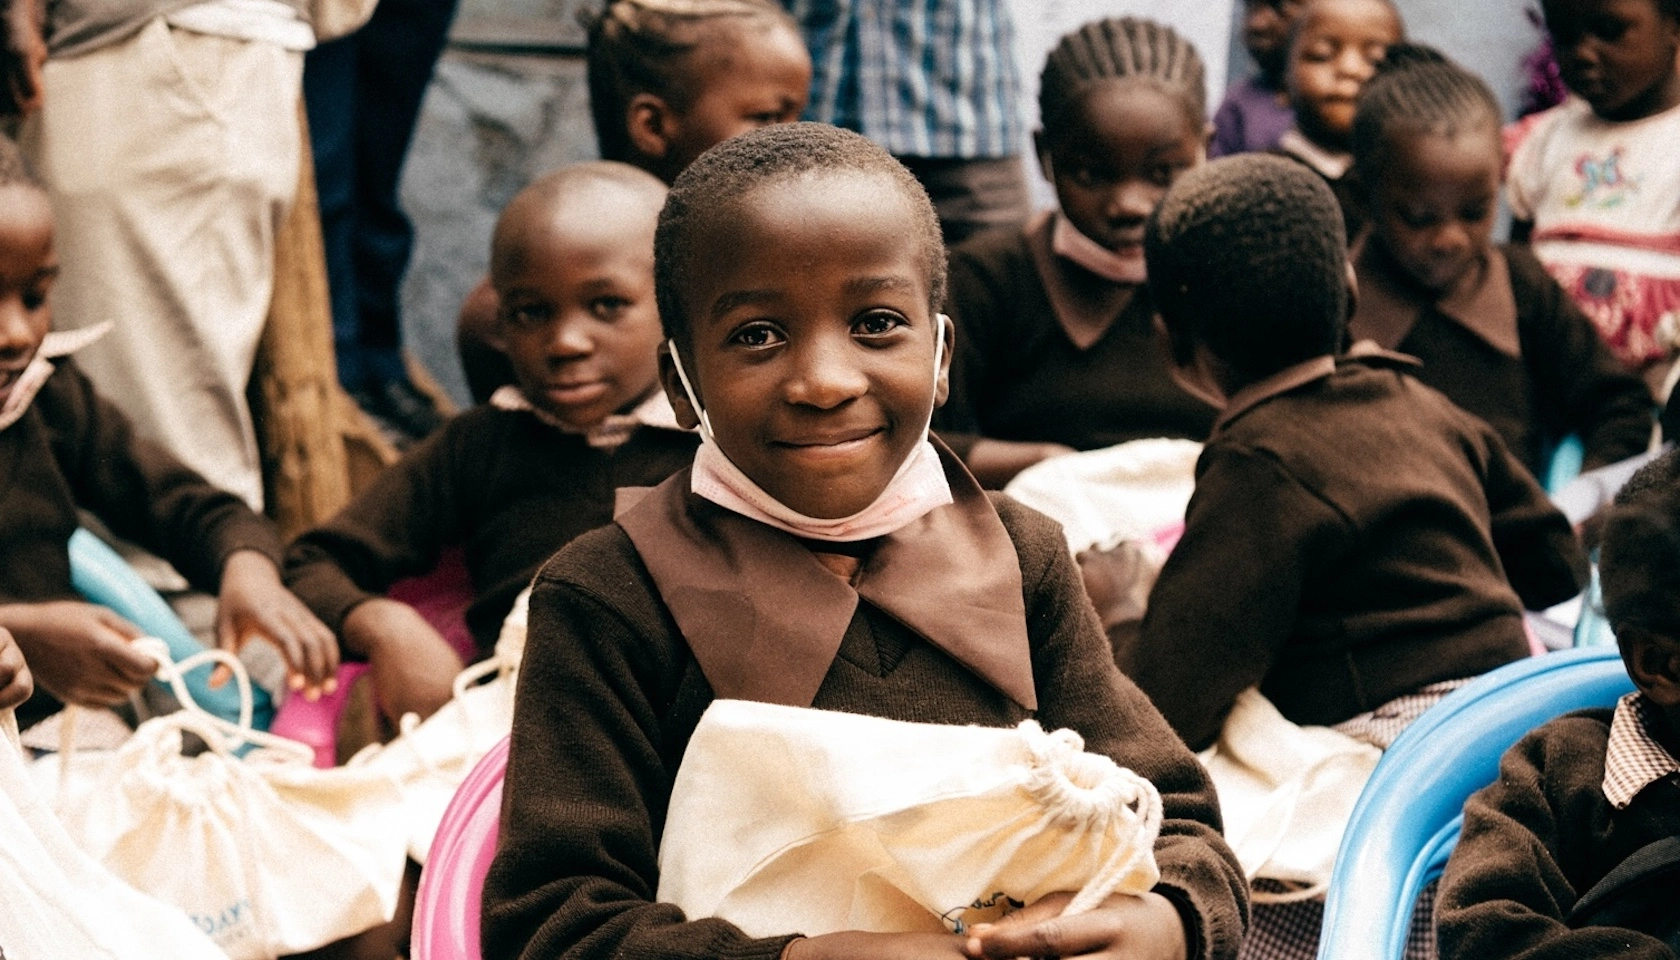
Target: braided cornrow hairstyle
x,y
1418,90
642,46
1127,48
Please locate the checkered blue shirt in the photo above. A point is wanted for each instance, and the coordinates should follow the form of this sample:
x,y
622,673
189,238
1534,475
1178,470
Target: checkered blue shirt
x,y
923,78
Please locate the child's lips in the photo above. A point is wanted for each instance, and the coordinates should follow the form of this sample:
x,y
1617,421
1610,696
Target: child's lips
x,y
830,442
580,392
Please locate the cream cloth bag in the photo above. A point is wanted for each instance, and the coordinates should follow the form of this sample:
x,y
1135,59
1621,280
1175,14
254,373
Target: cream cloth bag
x,y
1130,491
1286,793
266,853
788,819
56,901
431,757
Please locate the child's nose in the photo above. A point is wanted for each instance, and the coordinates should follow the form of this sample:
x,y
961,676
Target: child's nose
x,y
17,330
1132,200
570,338
1355,64
826,375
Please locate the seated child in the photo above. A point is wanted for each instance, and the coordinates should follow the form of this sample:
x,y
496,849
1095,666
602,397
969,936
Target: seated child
x,y
63,448
1353,536
666,81
1255,113
1057,350
1594,185
1583,795
513,480
821,552
1495,332
1334,49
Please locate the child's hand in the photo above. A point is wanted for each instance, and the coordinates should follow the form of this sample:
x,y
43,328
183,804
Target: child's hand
x,y
79,652
1124,926
413,668
254,602
854,945
15,683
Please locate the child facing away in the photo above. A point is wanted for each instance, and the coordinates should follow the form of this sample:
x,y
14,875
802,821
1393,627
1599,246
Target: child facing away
x,y
513,480
821,552
1057,350
62,449
1334,49
667,79
1495,332
1255,112
1548,864
1353,536
1594,186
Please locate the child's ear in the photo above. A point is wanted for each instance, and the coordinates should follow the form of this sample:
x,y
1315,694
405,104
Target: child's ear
x,y
1653,661
648,119
687,417
942,385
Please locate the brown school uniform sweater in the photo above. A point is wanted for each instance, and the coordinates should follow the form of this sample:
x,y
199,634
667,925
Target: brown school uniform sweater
x,y
1017,374
610,692
1349,540
72,449
1537,839
1510,346
509,489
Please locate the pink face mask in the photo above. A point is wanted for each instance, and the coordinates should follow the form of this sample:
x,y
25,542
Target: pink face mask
x,y
918,487
1068,242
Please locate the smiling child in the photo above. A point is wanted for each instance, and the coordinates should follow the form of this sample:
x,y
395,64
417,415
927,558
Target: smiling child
x,y
1057,350
515,479
1495,333
822,552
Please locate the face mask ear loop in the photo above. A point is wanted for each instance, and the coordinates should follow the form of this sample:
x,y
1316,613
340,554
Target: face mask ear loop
x,y
688,391
940,320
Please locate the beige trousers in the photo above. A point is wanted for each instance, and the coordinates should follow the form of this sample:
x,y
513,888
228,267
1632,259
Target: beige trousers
x,y
171,159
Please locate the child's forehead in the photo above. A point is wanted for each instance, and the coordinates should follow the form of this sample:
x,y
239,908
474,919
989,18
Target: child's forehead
x,y
1321,17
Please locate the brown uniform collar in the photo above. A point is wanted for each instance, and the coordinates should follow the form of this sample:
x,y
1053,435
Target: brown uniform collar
x,y
765,617
1301,374
1330,164
1390,303
1084,306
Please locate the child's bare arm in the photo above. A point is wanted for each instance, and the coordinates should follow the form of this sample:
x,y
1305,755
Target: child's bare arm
x,y
412,666
79,652
254,603
15,682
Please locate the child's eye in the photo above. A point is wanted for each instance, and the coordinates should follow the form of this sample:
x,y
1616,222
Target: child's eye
x,y
756,336
1608,29
1418,221
877,324
608,308
528,316
34,300
1089,178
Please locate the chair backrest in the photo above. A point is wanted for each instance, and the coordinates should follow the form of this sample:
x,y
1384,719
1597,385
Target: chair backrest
x,y
1406,821
446,907
103,577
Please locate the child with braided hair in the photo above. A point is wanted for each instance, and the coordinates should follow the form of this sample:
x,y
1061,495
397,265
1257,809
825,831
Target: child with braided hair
x,y
1057,351
667,79
1495,332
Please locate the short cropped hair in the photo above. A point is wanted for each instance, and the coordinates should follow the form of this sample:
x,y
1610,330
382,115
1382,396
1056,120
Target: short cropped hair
x,y
1639,554
1247,255
642,46
1418,90
551,191
1120,49
730,170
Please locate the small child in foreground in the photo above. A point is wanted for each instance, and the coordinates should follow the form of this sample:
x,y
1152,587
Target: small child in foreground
x,y
513,480
1495,332
1256,113
818,523
667,79
1058,351
1594,185
1333,51
64,448
1584,795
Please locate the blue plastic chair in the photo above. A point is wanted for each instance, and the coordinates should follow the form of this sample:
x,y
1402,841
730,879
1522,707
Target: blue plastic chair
x,y
1407,819
101,576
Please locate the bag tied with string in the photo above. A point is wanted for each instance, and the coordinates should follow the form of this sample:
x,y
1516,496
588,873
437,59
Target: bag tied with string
x,y
266,853
788,818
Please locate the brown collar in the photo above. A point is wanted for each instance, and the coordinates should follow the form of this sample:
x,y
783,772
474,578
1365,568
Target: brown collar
x,y
765,617
1301,374
1390,303
1084,305
1330,164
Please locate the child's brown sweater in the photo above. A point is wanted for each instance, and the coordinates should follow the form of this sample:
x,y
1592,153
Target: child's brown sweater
x,y
610,693
1349,540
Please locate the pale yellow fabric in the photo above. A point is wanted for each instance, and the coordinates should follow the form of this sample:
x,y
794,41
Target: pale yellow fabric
x,y
171,159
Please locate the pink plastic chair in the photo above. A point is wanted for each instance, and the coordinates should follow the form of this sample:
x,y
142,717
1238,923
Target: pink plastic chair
x,y
446,907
